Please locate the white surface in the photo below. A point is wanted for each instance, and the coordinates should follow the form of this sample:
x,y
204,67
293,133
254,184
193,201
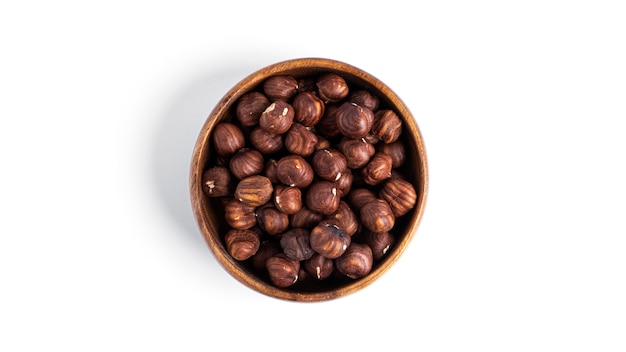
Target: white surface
x,y
521,105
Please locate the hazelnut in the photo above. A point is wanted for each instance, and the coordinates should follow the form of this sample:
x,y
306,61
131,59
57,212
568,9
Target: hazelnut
x,y
379,242
319,266
265,142
322,197
277,118
399,194
356,151
217,182
287,199
267,249
246,162
331,87
280,87
356,262
329,239
344,183
293,170
364,98
327,125
249,108
387,126
395,150
295,244
238,215
283,272
322,143
271,220
242,244
377,216
358,197
354,121
328,164
227,138
308,108
378,169
270,170
346,218
300,140
305,218
254,190
307,84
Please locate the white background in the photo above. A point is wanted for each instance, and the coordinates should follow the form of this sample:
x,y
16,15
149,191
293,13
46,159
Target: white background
x,y
521,104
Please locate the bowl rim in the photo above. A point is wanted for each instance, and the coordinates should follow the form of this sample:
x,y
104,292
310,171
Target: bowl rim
x,y
200,156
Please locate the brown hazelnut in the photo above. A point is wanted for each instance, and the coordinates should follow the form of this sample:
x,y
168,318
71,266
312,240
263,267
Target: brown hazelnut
x,y
238,215
327,125
344,183
305,218
217,181
364,98
322,197
265,142
331,87
329,239
328,164
323,143
277,118
356,151
283,272
246,162
280,87
399,194
358,197
295,244
271,220
254,190
354,121
242,244
319,266
308,108
395,150
300,140
249,108
378,169
227,138
307,84
267,249
356,262
387,126
270,170
377,216
287,199
293,170
379,242
346,218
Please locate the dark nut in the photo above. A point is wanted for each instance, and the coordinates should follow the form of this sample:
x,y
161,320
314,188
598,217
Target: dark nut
x,y
305,218
329,239
271,167
295,244
356,262
287,199
322,143
249,108
319,266
254,190
364,98
271,220
379,242
267,249
378,169
344,183
227,138
280,87
346,218
356,151
283,272
277,118
300,140
293,170
322,197
331,87
265,142
327,126
238,215
395,150
377,216
358,197
307,84
242,244
246,162
328,164
354,121
387,126
400,194
217,182
308,108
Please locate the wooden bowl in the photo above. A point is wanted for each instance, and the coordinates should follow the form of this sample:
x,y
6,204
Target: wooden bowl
x,y
209,211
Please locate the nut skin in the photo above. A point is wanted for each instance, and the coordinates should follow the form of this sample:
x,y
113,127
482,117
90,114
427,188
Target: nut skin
x,y
329,164
364,98
295,244
305,218
395,150
387,126
322,197
308,108
227,138
378,169
354,121
399,194
331,87
329,239
254,190
271,220
356,262
344,183
300,140
246,162
283,272
377,216
327,125
238,215
267,249
270,170
307,84
293,170
287,199
356,151
217,181
379,243
319,266
242,244
277,118
281,87
358,197
346,218
265,142
249,108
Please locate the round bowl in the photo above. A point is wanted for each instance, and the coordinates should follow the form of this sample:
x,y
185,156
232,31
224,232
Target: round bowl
x,y
209,211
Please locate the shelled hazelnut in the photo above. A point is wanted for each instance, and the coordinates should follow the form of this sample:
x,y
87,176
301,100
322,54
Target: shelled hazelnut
x,y
242,244
356,261
246,162
249,108
227,138
217,182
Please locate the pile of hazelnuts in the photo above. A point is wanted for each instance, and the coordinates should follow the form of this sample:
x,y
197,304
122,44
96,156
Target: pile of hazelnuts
x,y
306,170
